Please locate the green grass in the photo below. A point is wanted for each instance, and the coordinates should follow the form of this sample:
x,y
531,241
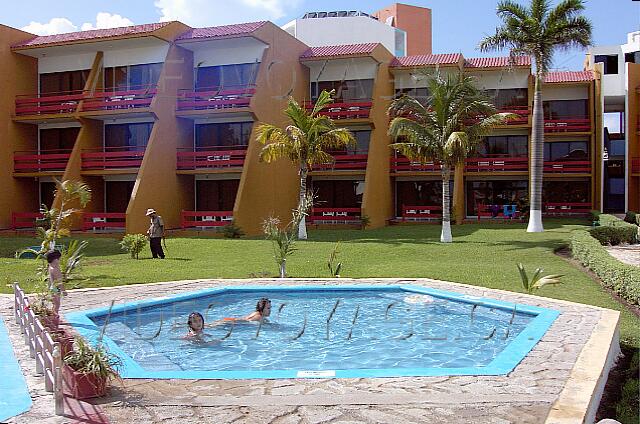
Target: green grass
x,y
482,255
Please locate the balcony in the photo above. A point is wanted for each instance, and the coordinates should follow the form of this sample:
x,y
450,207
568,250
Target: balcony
x,y
421,213
635,166
566,209
25,220
233,97
334,216
205,219
109,158
567,125
345,161
497,163
216,157
567,167
351,109
521,111
400,163
119,99
42,161
65,102
104,221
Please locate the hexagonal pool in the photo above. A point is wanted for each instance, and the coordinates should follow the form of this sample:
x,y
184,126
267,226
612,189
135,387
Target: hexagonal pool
x,y
319,331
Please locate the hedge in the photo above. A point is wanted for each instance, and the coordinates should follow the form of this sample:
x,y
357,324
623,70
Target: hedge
x,y
614,231
622,278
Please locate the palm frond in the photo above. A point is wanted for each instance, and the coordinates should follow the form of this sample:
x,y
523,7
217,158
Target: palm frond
x,y
278,150
325,98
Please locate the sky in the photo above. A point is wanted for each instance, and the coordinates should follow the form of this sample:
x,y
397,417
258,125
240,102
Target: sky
x,y
458,25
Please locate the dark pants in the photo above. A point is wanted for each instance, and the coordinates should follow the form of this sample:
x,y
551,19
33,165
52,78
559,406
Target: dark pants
x,y
156,247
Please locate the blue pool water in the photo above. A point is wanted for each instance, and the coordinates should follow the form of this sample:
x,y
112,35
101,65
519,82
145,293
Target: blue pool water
x,y
373,331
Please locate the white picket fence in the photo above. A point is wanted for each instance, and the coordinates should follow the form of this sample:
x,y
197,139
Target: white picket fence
x,y
42,347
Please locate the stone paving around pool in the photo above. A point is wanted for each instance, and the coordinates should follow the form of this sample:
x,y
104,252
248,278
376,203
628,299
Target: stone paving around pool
x,y
558,376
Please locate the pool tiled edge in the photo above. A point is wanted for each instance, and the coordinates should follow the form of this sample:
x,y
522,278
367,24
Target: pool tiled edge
x,y
15,397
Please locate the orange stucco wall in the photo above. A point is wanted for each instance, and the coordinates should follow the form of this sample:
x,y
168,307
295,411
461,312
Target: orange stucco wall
x,y
632,130
17,76
415,21
271,189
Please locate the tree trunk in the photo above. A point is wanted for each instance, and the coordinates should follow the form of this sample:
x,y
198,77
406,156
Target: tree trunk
x,y
537,161
283,268
302,225
445,236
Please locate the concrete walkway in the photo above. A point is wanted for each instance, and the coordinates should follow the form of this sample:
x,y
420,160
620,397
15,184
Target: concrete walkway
x,y
629,254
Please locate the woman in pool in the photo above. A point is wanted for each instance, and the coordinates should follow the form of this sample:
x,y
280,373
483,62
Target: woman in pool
x,y
263,310
196,326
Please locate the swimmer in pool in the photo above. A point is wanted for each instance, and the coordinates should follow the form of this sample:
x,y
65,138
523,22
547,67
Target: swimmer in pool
x,y
263,310
196,326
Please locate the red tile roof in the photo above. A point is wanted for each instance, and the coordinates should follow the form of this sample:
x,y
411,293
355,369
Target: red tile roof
x,y
72,37
569,76
340,50
496,62
426,60
221,31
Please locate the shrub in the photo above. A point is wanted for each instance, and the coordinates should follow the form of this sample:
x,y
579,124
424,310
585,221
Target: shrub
x,y
622,278
595,215
232,230
631,217
134,244
614,231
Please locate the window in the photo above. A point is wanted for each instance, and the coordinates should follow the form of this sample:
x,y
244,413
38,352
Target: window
x,y
58,140
421,94
47,193
632,57
498,193
418,193
338,193
400,42
216,195
345,91
566,191
508,98
514,146
226,76
131,136
560,151
565,109
235,134
58,82
117,195
132,77
610,63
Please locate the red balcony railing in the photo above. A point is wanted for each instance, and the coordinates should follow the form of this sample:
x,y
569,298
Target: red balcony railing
x,y
116,99
211,157
112,158
521,111
25,219
495,163
216,98
191,219
567,167
566,209
48,103
345,162
402,164
334,216
351,109
635,165
103,221
567,125
43,161
421,213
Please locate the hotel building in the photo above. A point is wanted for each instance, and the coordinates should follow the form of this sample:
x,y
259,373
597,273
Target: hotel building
x,y
164,116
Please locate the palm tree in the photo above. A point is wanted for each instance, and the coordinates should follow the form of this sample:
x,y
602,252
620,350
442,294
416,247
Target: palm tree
x,y
456,117
306,142
538,31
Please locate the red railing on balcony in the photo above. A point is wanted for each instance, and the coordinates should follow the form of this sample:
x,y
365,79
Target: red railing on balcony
x,y
334,216
567,125
345,162
116,99
351,109
43,161
521,111
567,167
566,209
216,98
402,164
635,165
25,219
421,213
48,103
112,158
103,221
497,163
191,219
211,157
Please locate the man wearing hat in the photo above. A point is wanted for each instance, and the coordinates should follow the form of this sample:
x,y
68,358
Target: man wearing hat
x,y
155,233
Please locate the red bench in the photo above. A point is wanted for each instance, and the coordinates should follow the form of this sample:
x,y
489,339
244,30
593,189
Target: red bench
x,y
566,209
420,213
334,216
207,219
25,219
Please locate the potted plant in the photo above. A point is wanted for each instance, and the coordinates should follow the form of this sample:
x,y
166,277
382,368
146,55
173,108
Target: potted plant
x,y
87,370
595,218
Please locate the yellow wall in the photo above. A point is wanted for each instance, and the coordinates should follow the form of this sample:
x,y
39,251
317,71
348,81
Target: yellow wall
x,y
633,124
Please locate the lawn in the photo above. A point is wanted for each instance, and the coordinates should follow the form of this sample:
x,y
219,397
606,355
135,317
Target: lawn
x,y
482,255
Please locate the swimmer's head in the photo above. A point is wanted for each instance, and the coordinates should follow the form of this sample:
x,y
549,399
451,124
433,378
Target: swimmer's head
x,y
264,307
195,321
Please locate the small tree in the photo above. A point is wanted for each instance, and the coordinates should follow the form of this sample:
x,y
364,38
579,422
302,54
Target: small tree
x,y
134,244
537,280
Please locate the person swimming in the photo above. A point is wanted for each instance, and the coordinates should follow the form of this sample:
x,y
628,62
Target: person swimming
x,y
263,310
196,326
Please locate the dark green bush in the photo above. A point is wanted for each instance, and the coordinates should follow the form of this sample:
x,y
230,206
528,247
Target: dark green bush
x,y
630,217
614,231
232,230
595,215
622,278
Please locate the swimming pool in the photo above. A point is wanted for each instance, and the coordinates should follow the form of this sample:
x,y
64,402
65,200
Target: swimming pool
x,y
320,331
